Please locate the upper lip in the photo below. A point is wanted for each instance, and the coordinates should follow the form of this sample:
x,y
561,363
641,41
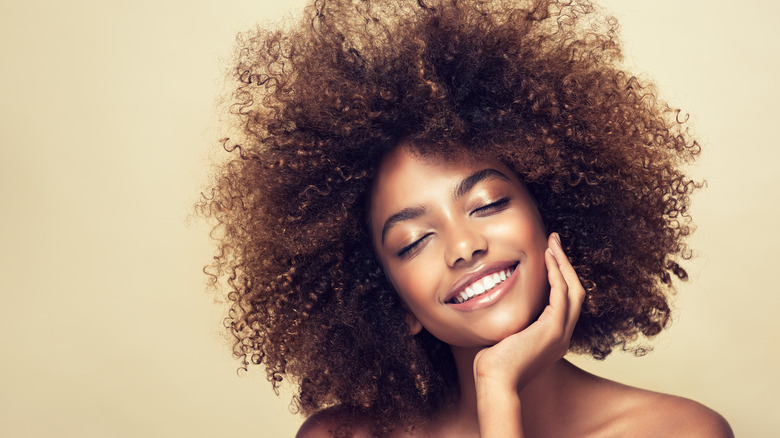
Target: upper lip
x,y
470,277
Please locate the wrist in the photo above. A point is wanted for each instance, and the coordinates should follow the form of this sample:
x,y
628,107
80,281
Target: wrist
x,y
496,387
494,378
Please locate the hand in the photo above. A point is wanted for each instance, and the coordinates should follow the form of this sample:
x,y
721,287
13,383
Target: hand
x,y
519,358
503,370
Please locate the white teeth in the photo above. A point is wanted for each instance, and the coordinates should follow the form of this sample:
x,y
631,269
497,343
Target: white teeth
x,y
483,285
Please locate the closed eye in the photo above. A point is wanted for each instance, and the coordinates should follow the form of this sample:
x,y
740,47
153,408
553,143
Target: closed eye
x,y
493,207
408,250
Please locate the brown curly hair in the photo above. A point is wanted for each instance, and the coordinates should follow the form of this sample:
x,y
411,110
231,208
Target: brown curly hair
x,y
536,84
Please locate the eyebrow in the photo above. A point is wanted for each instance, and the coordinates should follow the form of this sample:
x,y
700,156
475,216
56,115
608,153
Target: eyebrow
x,y
403,215
467,184
476,178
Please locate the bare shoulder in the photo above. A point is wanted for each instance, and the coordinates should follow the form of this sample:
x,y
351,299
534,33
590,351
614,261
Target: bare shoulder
x,y
614,409
669,415
334,422
651,414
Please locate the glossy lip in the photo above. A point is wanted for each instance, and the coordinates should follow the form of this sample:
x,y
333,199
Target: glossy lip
x,y
487,298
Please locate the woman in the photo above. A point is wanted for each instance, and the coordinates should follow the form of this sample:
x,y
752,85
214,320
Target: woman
x,y
434,201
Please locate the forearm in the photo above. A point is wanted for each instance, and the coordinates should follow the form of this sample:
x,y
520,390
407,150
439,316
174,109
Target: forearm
x,y
499,412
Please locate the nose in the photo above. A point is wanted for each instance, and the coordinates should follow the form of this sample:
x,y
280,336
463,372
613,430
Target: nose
x,y
465,244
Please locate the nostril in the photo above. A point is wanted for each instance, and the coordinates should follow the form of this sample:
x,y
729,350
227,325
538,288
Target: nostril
x,y
464,245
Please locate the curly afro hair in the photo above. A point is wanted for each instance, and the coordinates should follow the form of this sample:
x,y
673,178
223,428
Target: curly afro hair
x,y
536,83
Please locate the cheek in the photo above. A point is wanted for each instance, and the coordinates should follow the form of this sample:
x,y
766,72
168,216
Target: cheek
x,y
415,283
519,230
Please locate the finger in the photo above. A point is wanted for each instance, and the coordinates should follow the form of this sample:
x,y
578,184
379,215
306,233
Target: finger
x,y
575,291
559,301
563,262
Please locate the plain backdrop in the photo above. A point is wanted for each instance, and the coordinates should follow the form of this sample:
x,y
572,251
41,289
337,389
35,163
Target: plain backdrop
x,y
109,124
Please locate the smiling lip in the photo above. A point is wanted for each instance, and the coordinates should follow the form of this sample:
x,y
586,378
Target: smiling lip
x,y
486,298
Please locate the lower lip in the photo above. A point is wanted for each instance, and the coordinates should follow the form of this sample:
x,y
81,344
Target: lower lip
x,y
489,298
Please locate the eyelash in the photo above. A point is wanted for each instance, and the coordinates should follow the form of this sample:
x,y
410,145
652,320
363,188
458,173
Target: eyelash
x,y
499,205
492,207
406,251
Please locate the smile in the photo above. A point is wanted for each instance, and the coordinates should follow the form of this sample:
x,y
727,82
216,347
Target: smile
x,y
483,285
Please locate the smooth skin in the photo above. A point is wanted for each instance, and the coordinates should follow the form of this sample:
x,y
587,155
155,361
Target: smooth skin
x,y
509,352
505,369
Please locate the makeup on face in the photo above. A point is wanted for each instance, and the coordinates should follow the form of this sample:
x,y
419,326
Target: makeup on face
x,y
462,242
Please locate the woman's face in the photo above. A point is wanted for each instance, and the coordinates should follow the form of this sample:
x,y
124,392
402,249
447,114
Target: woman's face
x,y
462,242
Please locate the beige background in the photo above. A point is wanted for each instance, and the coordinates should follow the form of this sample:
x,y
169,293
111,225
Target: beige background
x,y
108,122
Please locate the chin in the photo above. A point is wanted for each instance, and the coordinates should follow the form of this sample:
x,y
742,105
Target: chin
x,y
505,324
500,327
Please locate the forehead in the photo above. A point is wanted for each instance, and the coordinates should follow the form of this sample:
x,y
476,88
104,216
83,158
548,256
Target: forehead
x,y
405,167
405,177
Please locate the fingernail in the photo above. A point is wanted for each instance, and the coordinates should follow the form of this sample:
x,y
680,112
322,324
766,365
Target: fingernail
x,y
557,238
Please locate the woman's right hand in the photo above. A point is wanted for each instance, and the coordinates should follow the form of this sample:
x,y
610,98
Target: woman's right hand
x,y
504,369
